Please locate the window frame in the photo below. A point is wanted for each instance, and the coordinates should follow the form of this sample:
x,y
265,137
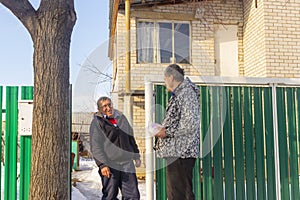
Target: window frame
x,y
155,41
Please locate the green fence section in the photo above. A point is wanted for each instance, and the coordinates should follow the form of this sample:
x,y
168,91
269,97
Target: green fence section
x,y
161,100
217,153
75,150
25,152
240,163
238,142
11,144
287,102
207,159
249,142
228,150
270,159
259,144
13,95
11,138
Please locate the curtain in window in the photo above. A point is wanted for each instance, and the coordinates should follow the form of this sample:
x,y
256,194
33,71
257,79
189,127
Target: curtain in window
x,y
145,33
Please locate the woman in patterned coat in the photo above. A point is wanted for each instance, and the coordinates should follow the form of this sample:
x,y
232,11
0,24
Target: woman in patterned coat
x,y
178,141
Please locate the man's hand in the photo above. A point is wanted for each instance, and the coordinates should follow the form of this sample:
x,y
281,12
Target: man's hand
x,y
161,133
137,162
105,172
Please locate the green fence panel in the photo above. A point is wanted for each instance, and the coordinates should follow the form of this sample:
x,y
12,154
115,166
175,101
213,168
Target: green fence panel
x,y
249,143
298,121
206,138
292,137
270,160
1,93
217,150
259,144
75,150
228,148
11,138
197,174
238,144
161,99
282,138
27,92
245,145
160,103
25,152
25,164
196,180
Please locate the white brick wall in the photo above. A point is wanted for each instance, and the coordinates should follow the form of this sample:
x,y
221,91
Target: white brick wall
x,y
254,45
268,46
202,34
282,20
271,38
202,55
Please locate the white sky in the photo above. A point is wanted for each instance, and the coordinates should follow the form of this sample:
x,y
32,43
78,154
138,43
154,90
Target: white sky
x,y
16,48
89,45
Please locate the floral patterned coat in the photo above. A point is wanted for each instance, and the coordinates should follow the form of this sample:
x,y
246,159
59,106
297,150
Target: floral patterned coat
x,y
182,123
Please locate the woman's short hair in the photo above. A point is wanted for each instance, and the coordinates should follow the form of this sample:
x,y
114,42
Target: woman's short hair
x,y
176,71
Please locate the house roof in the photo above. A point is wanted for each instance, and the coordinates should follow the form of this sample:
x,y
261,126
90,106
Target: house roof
x,y
149,3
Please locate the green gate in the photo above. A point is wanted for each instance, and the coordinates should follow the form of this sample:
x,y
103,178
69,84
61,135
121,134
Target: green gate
x,y
13,95
238,158
11,142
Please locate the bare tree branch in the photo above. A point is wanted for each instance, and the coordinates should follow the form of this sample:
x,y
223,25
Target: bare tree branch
x,y
24,11
95,70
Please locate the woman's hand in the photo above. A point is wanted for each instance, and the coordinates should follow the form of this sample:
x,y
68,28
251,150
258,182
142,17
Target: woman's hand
x,y
161,133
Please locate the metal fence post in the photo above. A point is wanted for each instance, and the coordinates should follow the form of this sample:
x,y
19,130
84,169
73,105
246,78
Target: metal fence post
x,y
149,141
276,148
1,90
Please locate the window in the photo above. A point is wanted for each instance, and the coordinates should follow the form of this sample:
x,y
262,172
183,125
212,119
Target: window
x,y
163,42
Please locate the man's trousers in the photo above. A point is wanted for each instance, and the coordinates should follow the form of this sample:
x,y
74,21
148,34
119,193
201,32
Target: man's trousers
x,y
121,179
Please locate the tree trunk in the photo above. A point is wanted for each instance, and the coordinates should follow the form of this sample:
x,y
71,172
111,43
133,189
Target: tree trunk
x,y
50,27
50,142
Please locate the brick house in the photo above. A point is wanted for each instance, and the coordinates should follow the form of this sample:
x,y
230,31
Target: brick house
x,y
251,38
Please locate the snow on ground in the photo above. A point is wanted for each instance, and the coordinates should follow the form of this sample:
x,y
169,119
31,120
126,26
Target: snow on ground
x,y
88,182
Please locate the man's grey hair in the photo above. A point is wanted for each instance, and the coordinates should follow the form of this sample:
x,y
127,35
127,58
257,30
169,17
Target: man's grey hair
x,y
101,99
176,71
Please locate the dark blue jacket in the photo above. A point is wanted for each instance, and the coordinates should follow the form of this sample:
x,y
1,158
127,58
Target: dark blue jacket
x,y
112,145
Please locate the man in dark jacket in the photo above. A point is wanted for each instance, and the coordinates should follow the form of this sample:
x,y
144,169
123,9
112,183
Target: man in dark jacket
x,y
114,148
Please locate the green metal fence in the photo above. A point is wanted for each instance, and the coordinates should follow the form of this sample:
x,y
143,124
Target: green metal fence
x,y
11,154
25,153
11,144
11,138
240,162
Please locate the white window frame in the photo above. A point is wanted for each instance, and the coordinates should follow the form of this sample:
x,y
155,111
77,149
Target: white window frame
x,y
155,40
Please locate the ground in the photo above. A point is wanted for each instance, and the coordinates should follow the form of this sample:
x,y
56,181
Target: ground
x,y
86,183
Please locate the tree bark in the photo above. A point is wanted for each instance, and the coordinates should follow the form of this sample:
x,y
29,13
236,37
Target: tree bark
x,y
50,27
